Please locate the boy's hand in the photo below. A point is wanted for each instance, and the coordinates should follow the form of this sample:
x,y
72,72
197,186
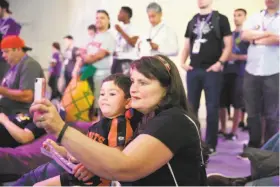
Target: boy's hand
x,y
60,149
82,173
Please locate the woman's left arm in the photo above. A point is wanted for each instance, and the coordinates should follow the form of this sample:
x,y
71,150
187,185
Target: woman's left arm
x,y
139,159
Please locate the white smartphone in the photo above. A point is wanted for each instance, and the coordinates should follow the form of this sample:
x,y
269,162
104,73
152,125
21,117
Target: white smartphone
x,y
40,88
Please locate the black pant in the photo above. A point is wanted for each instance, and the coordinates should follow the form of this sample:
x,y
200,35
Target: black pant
x,y
198,80
6,140
261,96
67,77
53,84
121,66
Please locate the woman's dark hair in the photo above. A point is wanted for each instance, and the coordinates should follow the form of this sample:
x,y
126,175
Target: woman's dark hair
x,y
122,81
161,68
106,13
56,45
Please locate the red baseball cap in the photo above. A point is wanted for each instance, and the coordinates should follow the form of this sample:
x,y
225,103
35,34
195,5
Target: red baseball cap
x,y
14,42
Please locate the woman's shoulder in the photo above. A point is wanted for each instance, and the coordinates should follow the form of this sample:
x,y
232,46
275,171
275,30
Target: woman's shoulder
x,y
175,117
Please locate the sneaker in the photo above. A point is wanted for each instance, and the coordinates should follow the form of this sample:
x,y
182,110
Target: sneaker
x,y
231,136
221,134
217,179
242,156
212,151
241,124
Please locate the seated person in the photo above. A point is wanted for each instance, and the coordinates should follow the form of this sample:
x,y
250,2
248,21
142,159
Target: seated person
x,y
264,167
18,129
113,129
17,86
166,147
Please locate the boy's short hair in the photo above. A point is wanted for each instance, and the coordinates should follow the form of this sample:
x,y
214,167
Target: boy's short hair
x,y
122,81
92,27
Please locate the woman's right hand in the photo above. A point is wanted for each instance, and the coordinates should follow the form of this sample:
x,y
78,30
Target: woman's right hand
x,y
60,149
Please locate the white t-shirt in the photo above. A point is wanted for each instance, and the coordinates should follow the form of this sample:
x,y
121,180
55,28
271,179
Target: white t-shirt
x,y
123,49
106,41
163,36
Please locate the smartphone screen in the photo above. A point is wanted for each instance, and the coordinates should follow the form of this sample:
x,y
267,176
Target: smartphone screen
x,y
40,88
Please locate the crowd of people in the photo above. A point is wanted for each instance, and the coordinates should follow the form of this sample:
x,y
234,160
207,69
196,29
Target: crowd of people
x,y
140,106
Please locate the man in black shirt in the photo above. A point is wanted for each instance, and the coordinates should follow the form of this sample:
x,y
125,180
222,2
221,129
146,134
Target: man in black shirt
x,y
208,43
17,130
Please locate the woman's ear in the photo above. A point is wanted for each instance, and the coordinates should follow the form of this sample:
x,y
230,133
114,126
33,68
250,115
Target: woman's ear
x,y
128,103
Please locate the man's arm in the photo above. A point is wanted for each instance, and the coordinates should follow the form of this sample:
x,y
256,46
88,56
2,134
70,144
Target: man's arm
x,y
227,49
91,59
250,35
271,39
185,52
234,56
22,136
130,40
25,96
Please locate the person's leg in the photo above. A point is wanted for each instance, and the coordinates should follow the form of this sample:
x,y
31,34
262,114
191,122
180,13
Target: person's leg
x,y
253,103
194,88
271,105
41,173
55,181
212,87
224,103
114,66
237,100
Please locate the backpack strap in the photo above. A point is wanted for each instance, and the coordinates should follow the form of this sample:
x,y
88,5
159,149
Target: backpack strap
x,y
216,23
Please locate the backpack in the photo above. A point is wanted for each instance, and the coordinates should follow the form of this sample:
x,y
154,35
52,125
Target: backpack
x,y
215,19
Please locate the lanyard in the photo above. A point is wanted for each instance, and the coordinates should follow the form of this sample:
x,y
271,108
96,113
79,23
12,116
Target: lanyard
x,y
155,33
200,25
271,20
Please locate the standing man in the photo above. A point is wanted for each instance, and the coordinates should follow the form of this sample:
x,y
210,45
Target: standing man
x,y
233,74
69,58
159,38
125,41
208,43
17,87
261,80
8,26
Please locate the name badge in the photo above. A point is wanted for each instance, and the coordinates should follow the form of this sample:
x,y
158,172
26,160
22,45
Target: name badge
x,y
196,47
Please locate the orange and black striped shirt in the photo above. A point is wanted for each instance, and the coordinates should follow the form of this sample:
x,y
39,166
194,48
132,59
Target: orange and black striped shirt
x,y
115,132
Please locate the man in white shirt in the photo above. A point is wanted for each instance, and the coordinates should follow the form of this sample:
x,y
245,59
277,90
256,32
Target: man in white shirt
x,y
126,39
160,39
261,79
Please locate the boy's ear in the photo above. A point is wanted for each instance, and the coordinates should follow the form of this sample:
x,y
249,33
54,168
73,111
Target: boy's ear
x,y
128,103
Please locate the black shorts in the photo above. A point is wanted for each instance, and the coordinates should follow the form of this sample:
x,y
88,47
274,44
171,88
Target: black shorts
x,y
232,91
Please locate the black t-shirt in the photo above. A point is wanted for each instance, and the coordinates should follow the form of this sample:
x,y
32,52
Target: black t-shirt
x,y
25,121
180,135
212,46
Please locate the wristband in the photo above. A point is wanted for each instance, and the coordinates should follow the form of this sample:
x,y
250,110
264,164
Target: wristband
x,y
222,62
62,132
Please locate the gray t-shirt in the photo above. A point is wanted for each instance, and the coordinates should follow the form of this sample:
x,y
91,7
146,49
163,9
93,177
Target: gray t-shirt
x,y
106,41
20,77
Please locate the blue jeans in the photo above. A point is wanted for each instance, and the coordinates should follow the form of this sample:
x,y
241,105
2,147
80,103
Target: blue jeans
x,y
211,82
43,172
